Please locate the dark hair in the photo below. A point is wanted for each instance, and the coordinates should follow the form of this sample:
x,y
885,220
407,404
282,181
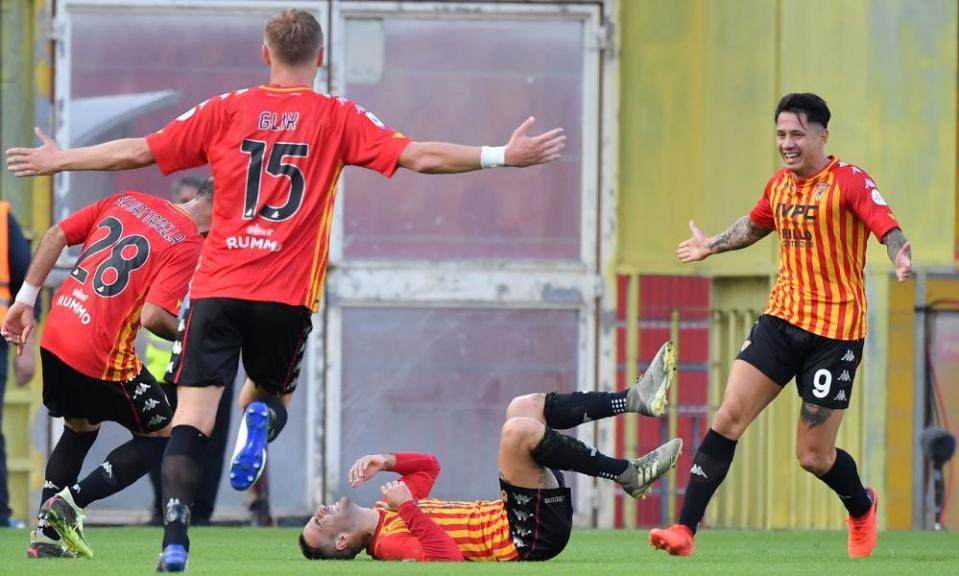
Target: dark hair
x,y
310,552
205,189
187,181
805,102
317,553
294,36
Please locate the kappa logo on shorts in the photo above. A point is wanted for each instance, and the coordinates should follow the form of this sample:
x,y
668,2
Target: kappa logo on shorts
x,y
523,499
745,345
150,404
848,356
141,388
156,420
521,516
844,377
841,397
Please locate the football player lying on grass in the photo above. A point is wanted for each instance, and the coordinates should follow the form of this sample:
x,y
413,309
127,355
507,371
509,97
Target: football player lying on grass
x,y
533,518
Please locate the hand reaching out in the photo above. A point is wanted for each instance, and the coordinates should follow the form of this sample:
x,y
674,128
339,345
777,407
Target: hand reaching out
x,y
523,150
696,248
37,161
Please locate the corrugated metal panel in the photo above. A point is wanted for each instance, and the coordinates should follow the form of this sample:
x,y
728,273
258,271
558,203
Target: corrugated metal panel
x,y
663,308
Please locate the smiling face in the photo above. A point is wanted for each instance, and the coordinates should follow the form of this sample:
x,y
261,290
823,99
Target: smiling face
x,y
321,528
331,531
801,143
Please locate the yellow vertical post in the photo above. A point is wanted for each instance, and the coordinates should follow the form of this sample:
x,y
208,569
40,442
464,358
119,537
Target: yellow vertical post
x,y
17,30
716,360
632,361
733,503
673,406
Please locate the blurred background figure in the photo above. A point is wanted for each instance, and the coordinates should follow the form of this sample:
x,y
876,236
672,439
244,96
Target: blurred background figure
x,y
14,261
185,189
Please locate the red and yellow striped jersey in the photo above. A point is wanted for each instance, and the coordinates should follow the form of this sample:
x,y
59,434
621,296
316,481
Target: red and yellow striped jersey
x,y
137,249
480,530
439,529
823,224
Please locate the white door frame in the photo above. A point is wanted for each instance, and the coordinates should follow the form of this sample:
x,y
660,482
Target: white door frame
x,y
587,286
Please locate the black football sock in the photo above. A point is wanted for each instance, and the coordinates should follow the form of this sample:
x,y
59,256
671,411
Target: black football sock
x,y
181,469
125,465
710,466
557,450
844,480
277,415
564,411
63,467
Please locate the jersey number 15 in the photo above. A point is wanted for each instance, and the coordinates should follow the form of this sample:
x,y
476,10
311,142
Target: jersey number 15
x,y
274,167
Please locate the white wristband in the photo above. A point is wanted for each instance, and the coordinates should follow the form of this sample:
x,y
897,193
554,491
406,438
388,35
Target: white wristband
x,y
492,156
28,294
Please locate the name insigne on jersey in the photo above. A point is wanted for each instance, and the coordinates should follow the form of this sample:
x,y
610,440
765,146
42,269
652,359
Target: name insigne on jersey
x,y
277,123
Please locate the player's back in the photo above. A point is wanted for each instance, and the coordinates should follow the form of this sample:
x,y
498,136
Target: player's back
x,y
276,154
136,248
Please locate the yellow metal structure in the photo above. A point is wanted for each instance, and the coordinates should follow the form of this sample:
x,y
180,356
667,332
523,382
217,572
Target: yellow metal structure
x,y
24,77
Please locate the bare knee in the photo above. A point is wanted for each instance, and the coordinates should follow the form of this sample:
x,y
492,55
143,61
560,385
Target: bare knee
x,y
527,406
815,459
522,433
730,421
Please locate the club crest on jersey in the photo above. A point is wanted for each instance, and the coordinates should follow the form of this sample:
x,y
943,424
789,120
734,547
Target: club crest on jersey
x,y
820,190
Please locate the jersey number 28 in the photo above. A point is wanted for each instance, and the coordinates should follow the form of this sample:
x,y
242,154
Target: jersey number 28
x,y
126,255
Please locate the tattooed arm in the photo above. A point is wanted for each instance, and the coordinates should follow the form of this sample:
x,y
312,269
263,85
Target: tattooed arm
x,y
900,252
740,234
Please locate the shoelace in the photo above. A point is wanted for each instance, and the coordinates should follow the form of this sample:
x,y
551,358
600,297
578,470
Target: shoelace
x,y
857,532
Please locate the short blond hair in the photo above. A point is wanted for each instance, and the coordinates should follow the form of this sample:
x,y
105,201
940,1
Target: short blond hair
x,y
293,36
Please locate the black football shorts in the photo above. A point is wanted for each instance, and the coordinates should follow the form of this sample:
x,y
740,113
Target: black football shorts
x,y
138,404
824,368
215,331
540,520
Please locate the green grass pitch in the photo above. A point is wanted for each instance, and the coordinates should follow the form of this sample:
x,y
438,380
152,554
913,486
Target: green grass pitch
x,y
274,552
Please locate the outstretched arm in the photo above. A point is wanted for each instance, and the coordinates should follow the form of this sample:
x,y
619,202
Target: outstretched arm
x,y
20,321
900,253
521,151
48,158
740,234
